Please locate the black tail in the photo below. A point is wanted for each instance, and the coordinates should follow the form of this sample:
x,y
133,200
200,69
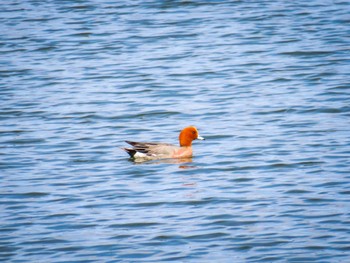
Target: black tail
x,y
131,152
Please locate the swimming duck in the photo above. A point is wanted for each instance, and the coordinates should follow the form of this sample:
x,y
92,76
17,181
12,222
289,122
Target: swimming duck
x,y
155,150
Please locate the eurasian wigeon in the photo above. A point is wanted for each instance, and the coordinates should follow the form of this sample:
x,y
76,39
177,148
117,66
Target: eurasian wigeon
x,y
154,150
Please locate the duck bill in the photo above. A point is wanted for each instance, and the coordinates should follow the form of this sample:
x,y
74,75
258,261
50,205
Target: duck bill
x,y
200,138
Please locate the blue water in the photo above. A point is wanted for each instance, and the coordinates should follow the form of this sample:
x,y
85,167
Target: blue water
x,y
266,82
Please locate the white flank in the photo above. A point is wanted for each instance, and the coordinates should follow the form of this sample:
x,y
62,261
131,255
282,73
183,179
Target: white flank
x,y
140,155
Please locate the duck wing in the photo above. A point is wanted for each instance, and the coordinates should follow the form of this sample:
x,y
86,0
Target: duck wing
x,y
150,149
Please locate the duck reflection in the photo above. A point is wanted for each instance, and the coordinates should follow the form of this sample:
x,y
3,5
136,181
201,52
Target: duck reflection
x,y
184,162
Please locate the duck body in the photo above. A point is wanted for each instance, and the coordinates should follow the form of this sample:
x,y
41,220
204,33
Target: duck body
x,y
156,150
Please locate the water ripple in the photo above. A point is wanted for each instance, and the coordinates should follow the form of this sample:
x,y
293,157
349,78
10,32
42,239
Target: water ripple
x,y
267,84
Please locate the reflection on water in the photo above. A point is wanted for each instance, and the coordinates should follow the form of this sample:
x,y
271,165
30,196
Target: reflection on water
x,y
166,161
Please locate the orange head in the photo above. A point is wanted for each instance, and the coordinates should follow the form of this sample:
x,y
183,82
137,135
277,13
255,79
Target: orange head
x,y
187,135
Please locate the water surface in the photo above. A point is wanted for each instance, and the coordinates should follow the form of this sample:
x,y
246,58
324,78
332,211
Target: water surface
x,y
267,84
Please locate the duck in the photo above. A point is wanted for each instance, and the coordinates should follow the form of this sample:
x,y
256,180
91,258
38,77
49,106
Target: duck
x,y
157,150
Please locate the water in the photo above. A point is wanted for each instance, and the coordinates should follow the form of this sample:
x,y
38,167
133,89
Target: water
x,y
266,82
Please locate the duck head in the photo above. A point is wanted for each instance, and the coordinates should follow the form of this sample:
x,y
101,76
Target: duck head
x,y
187,135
